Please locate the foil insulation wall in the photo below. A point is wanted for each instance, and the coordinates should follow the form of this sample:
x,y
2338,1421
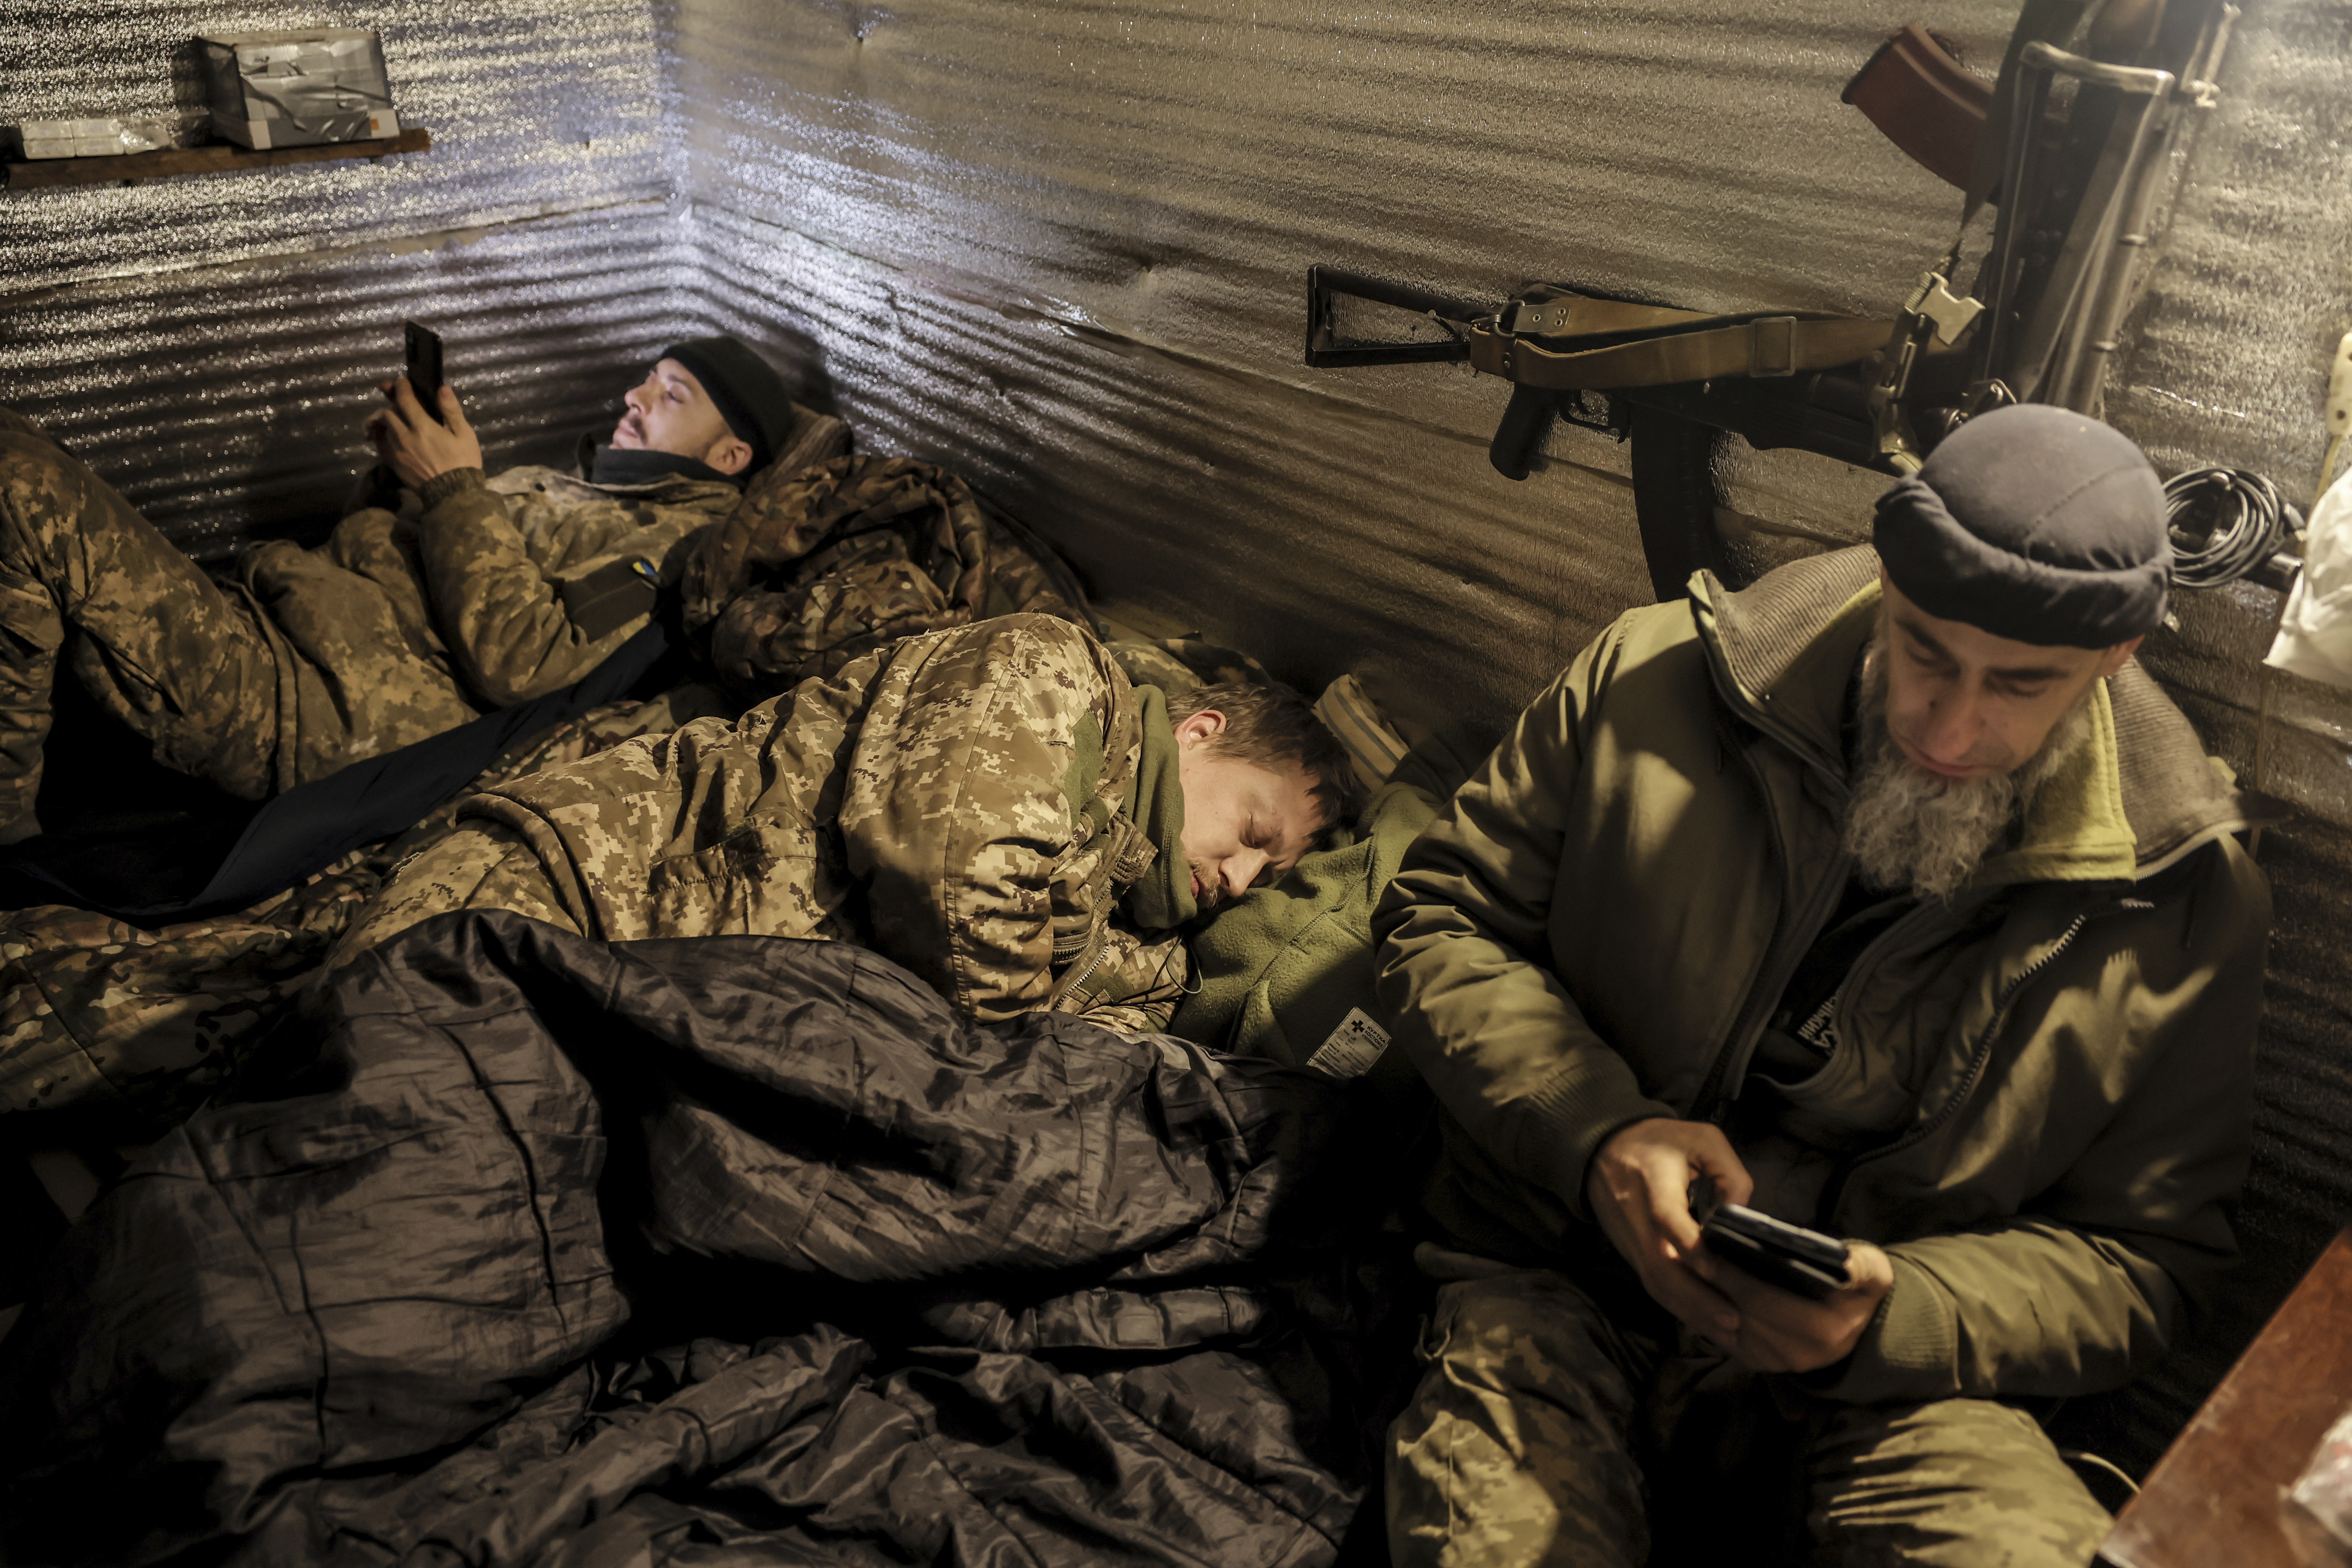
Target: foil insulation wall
x,y
1061,247
210,342
1148,187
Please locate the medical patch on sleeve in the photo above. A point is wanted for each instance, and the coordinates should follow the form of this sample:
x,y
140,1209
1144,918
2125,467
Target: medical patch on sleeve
x,y
1349,1050
611,597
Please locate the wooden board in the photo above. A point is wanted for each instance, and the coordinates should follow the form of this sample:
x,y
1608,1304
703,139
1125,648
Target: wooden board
x,y
2214,1496
43,173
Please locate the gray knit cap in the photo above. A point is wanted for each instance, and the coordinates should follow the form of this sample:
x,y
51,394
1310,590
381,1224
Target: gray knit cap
x,y
2034,524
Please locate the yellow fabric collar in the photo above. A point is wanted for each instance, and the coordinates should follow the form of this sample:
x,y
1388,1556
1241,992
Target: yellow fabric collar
x,y
2075,829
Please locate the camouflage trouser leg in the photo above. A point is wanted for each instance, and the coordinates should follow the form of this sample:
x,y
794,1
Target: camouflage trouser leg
x,y
1516,1449
124,1029
1956,1483
157,642
1519,1447
30,631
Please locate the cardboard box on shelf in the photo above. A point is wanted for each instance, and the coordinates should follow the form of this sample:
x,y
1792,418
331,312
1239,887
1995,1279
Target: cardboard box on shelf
x,y
299,88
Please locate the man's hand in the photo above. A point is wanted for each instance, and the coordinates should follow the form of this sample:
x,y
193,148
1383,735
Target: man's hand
x,y
1639,1189
1780,1330
413,445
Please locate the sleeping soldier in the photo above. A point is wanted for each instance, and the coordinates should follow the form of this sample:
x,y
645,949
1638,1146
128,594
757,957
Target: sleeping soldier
x,y
1889,896
994,806
478,592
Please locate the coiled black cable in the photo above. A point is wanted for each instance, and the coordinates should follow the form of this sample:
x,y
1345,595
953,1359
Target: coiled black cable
x,y
2225,523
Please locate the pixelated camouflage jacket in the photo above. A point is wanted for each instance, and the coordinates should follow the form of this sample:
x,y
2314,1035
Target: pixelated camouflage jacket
x,y
961,802
468,580
489,591
825,563
124,1030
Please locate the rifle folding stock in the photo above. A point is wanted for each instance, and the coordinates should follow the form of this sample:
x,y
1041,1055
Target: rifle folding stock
x,y
1326,285
1773,377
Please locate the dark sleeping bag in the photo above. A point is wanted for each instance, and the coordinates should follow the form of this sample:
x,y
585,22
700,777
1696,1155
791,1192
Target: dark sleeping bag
x,y
519,1248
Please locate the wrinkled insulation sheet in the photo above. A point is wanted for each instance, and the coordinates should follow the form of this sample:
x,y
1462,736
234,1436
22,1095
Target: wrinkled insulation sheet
x,y
208,344
1061,247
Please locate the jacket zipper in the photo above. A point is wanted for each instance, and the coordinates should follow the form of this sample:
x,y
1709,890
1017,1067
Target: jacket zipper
x,y
1069,987
1087,972
1977,1061
1712,1103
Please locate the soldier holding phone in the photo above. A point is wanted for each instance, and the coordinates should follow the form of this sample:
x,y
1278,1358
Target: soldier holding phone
x,y
453,594
1887,898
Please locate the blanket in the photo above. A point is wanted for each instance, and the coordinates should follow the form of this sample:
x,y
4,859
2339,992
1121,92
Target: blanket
x,y
512,1247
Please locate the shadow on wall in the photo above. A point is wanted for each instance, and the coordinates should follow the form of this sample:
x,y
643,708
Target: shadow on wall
x,y
798,354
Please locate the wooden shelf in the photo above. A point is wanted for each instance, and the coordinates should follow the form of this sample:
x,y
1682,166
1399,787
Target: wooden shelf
x,y
41,173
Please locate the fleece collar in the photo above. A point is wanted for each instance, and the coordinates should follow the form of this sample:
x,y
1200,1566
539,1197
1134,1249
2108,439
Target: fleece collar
x,y
1162,897
2075,827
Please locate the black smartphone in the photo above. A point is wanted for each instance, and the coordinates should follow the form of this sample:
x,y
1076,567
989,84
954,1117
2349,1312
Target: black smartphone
x,y
1777,1252
425,367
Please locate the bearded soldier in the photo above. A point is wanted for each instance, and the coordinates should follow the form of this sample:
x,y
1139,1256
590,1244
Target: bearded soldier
x,y
471,593
1889,896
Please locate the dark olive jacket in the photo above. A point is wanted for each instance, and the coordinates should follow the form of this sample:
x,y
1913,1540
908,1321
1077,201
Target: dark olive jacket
x,y
1596,929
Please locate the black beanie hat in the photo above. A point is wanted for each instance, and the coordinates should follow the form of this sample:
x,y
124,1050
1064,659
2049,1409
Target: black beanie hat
x,y
750,396
2034,524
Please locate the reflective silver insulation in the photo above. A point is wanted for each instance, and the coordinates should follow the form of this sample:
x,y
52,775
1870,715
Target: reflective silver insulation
x,y
210,342
1061,247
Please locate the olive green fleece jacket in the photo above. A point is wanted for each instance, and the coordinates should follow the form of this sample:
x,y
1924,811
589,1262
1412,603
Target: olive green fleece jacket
x,y
1595,930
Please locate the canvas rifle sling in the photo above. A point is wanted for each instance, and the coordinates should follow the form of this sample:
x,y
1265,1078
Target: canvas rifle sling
x,y
1603,344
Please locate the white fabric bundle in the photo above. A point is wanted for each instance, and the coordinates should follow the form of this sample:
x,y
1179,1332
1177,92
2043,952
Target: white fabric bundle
x,y
2315,638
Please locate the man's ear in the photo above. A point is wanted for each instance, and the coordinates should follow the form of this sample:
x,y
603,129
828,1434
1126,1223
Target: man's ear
x,y
1194,728
731,454
2115,658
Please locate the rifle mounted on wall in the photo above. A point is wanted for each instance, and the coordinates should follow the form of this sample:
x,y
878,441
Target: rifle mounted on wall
x,y
2086,143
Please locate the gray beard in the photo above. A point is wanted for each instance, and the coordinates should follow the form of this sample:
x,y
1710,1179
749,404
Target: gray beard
x,y
1909,829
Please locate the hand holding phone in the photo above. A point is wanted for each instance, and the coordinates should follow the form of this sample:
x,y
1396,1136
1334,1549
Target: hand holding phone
x,y
1638,1184
419,438
425,366
1788,1256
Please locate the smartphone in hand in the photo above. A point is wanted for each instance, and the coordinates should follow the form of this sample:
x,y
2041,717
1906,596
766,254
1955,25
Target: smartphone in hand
x,y
1788,1256
425,366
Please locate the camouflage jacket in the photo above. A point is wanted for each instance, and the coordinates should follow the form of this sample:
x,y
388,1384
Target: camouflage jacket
x,y
466,600
832,560
961,802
